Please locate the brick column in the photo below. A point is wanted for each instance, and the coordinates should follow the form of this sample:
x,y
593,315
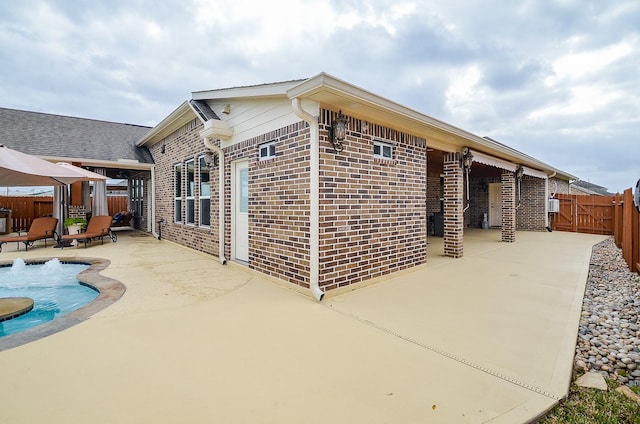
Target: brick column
x,y
453,203
508,206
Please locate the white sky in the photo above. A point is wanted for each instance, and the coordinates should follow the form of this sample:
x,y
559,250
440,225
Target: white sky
x,y
558,80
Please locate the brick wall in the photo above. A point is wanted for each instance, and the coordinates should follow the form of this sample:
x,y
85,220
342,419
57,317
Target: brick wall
x,y
453,206
372,211
508,206
182,145
558,186
279,204
434,194
530,213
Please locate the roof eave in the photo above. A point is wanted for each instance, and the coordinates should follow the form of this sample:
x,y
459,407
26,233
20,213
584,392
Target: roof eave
x,y
278,89
180,116
335,93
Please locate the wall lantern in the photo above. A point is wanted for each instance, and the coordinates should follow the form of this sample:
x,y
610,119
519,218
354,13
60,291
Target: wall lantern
x,y
338,132
211,159
518,174
467,161
467,158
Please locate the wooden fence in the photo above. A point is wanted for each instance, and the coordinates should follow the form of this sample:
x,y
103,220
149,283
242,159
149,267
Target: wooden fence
x,y
613,215
584,214
25,208
627,229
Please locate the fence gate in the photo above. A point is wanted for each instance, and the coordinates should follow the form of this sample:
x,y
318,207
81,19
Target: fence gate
x,y
584,214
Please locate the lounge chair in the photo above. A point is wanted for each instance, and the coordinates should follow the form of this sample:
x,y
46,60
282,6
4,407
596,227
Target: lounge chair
x,y
40,229
98,226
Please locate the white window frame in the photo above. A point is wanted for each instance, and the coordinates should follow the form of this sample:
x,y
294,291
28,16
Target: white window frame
x,y
382,146
269,149
190,219
204,197
177,194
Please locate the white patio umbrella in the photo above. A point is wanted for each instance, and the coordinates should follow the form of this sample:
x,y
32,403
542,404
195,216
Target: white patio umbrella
x,y
20,169
84,174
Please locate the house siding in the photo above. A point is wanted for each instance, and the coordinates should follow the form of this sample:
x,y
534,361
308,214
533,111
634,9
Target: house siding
x,y
372,211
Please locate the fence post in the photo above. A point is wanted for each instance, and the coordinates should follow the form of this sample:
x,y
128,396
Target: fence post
x,y
635,257
627,228
617,220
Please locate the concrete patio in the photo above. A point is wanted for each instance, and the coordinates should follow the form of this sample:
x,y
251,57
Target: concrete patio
x,y
487,338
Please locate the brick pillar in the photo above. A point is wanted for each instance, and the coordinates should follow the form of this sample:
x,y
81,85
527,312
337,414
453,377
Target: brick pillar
x,y
453,203
508,206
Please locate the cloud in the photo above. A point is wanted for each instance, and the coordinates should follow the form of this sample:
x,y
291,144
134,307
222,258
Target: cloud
x,y
556,79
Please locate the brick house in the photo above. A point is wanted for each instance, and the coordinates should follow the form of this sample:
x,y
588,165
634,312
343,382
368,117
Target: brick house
x,y
259,176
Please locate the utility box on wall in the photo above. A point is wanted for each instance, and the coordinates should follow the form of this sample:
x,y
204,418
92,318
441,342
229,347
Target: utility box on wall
x,y
554,205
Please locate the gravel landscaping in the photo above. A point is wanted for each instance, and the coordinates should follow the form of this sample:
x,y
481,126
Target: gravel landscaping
x,y
609,332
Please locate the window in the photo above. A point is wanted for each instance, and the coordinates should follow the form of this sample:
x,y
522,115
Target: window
x,y
191,191
267,150
177,203
382,150
205,193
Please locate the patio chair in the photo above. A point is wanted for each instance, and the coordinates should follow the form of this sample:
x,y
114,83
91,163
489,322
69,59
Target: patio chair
x,y
98,226
40,229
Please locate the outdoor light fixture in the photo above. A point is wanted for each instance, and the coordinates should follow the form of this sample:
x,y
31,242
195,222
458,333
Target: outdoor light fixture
x,y
211,159
519,172
467,158
338,132
163,148
467,161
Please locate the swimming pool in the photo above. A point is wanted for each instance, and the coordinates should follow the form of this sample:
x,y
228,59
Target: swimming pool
x,y
52,285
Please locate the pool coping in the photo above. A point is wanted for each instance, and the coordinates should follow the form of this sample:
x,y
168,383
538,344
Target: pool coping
x,y
109,291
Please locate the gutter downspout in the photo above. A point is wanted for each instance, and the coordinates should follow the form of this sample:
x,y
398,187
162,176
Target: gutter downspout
x,y
153,202
217,150
314,197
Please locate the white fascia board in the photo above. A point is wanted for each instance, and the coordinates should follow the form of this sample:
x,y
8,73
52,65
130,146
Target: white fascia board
x,y
278,89
175,120
326,84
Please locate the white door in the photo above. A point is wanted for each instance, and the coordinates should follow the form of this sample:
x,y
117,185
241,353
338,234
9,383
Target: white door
x,y
495,205
240,216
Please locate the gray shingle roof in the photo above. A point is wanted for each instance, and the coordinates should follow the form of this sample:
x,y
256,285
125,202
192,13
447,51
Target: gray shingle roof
x,y
43,134
203,109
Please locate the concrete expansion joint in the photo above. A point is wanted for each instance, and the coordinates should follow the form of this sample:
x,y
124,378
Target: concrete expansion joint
x,y
456,358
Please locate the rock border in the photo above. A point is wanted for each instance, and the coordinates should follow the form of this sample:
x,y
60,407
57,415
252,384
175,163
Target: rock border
x,y
609,332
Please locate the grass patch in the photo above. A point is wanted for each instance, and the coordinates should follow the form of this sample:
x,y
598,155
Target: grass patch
x,y
588,406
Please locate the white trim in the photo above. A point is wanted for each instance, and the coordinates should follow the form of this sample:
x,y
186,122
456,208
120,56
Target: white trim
x,y
191,197
382,145
534,173
493,161
201,159
267,145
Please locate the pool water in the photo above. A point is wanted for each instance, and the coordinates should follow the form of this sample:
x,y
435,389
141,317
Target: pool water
x,y
53,286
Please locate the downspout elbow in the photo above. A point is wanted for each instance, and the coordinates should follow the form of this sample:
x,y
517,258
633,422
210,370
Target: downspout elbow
x,y
314,195
221,217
